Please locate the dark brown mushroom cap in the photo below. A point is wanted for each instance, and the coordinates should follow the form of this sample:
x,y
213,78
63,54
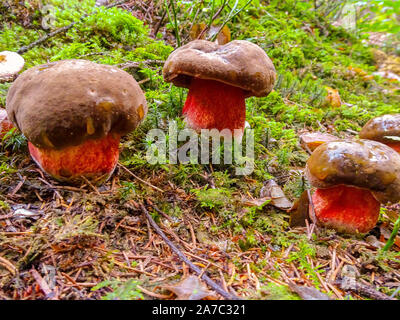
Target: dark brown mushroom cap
x,y
382,128
238,63
64,103
360,163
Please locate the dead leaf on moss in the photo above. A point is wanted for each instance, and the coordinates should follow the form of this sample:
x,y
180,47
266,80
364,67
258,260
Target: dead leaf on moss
x,y
278,199
224,36
374,242
333,98
300,211
312,140
190,288
256,202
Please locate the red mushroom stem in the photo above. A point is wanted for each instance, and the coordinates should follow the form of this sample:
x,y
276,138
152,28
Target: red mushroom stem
x,y
346,209
95,158
394,145
212,104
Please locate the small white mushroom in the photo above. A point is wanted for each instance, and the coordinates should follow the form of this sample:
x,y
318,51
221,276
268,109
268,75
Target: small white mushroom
x,y
10,64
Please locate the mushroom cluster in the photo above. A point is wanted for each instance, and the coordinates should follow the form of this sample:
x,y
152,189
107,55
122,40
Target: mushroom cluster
x,y
353,177
219,78
385,129
73,113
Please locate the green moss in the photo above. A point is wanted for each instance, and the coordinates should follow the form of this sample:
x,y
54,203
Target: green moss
x,y
212,198
273,291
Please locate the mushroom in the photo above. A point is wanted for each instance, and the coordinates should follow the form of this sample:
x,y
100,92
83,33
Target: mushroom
x,y
385,129
219,78
352,179
5,124
10,64
73,113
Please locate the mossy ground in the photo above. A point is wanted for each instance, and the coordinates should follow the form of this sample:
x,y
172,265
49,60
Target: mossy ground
x,y
80,237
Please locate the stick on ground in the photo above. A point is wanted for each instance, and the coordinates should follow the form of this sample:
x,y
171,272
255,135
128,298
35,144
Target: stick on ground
x,y
139,179
196,269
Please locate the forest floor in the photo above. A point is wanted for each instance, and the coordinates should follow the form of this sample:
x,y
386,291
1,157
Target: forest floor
x,y
85,242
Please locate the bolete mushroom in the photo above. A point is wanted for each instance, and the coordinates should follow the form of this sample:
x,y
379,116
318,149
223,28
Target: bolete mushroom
x,y
385,129
10,64
73,113
5,124
352,179
219,78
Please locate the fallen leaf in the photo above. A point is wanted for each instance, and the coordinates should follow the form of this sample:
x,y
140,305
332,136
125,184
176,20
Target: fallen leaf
x,y
312,140
224,36
385,235
308,293
256,202
373,241
190,288
300,212
23,213
278,199
196,30
333,98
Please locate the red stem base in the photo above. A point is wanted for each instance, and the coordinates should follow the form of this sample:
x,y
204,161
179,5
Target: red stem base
x,y
394,145
346,209
93,159
214,105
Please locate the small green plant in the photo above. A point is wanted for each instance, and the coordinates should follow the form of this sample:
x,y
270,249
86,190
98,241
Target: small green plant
x,y
273,291
13,140
4,205
78,226
212,198
248,242
127,189
306,251
6,169
121,290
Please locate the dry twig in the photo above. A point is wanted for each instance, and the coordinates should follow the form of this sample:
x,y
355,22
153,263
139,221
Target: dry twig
x,y
196,269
